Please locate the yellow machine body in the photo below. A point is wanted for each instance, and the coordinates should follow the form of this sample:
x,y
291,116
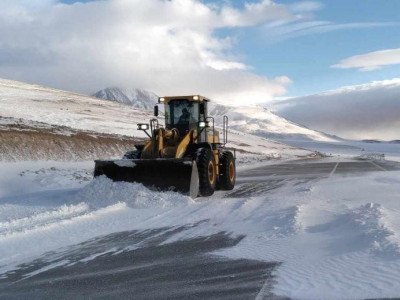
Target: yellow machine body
x,y
185,154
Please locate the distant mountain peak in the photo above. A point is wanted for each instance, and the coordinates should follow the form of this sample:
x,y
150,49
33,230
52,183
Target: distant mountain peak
x,y
138,98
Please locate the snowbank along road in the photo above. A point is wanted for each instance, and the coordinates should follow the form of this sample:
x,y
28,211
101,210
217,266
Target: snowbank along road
x,y
306,229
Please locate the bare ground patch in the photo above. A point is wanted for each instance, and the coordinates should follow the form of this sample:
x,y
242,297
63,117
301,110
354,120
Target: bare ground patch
x,y
32,142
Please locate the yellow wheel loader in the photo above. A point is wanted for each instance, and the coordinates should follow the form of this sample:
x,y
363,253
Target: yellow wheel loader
x,y
185,155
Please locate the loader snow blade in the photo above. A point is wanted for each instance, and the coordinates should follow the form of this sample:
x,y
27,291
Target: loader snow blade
x,y
163,174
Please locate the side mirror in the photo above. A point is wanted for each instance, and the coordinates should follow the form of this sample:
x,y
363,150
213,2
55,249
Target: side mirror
x,y
202,108
156,110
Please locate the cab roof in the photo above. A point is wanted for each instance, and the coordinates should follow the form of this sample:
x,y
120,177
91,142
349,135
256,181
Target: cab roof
x,y
193,98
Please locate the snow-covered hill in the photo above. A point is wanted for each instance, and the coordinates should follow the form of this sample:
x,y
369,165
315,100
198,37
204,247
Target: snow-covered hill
x,y
262,122
58,108
62,108
25,140
135,97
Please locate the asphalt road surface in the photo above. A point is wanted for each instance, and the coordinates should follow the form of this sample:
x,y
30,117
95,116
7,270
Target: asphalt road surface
x,y
259,181
149,270
141,266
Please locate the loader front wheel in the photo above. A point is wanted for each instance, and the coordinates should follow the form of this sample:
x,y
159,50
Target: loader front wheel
x,y
227,176
135,154
207,176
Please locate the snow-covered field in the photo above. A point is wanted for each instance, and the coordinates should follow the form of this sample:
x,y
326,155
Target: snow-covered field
x,y
338,237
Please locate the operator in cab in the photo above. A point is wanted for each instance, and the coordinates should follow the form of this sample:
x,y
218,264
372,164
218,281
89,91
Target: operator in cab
x,y
184,119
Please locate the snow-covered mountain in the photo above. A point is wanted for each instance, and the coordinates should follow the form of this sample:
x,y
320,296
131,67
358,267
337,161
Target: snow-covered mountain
x,y
256,120
138,98
262,122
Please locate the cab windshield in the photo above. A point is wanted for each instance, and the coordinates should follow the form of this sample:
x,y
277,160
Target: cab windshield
x,y
182,114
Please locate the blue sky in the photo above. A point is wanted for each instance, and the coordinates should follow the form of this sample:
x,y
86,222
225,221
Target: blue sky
x,y
73,1
306,59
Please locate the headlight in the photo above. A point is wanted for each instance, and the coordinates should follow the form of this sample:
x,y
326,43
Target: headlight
x,y
142,126
202,124
195,98
162,99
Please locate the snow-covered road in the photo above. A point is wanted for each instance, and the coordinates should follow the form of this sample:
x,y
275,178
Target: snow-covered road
x,y
306,229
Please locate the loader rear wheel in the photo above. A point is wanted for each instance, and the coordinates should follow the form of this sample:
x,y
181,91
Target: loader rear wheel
x,y
135,154
227,176
207,176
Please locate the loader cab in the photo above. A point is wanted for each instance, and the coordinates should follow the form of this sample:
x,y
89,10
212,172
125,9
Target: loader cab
x,y
184,113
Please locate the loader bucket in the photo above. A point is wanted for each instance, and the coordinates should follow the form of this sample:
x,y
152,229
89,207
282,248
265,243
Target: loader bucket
x,y
162,174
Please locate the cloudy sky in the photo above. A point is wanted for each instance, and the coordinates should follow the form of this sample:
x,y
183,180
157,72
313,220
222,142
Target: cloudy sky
x,y
253,51
366,111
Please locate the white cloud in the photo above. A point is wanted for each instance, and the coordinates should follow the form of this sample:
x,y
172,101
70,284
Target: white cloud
x,y
371,61
304,6
305,25
169,47
358,112
255,13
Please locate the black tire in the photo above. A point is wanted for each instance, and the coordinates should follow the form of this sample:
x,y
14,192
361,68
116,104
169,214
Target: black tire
x,y
135,154
227,171
207,176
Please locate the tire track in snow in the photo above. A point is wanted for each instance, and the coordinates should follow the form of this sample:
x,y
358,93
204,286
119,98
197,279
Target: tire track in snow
x,y
334,169
378,166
